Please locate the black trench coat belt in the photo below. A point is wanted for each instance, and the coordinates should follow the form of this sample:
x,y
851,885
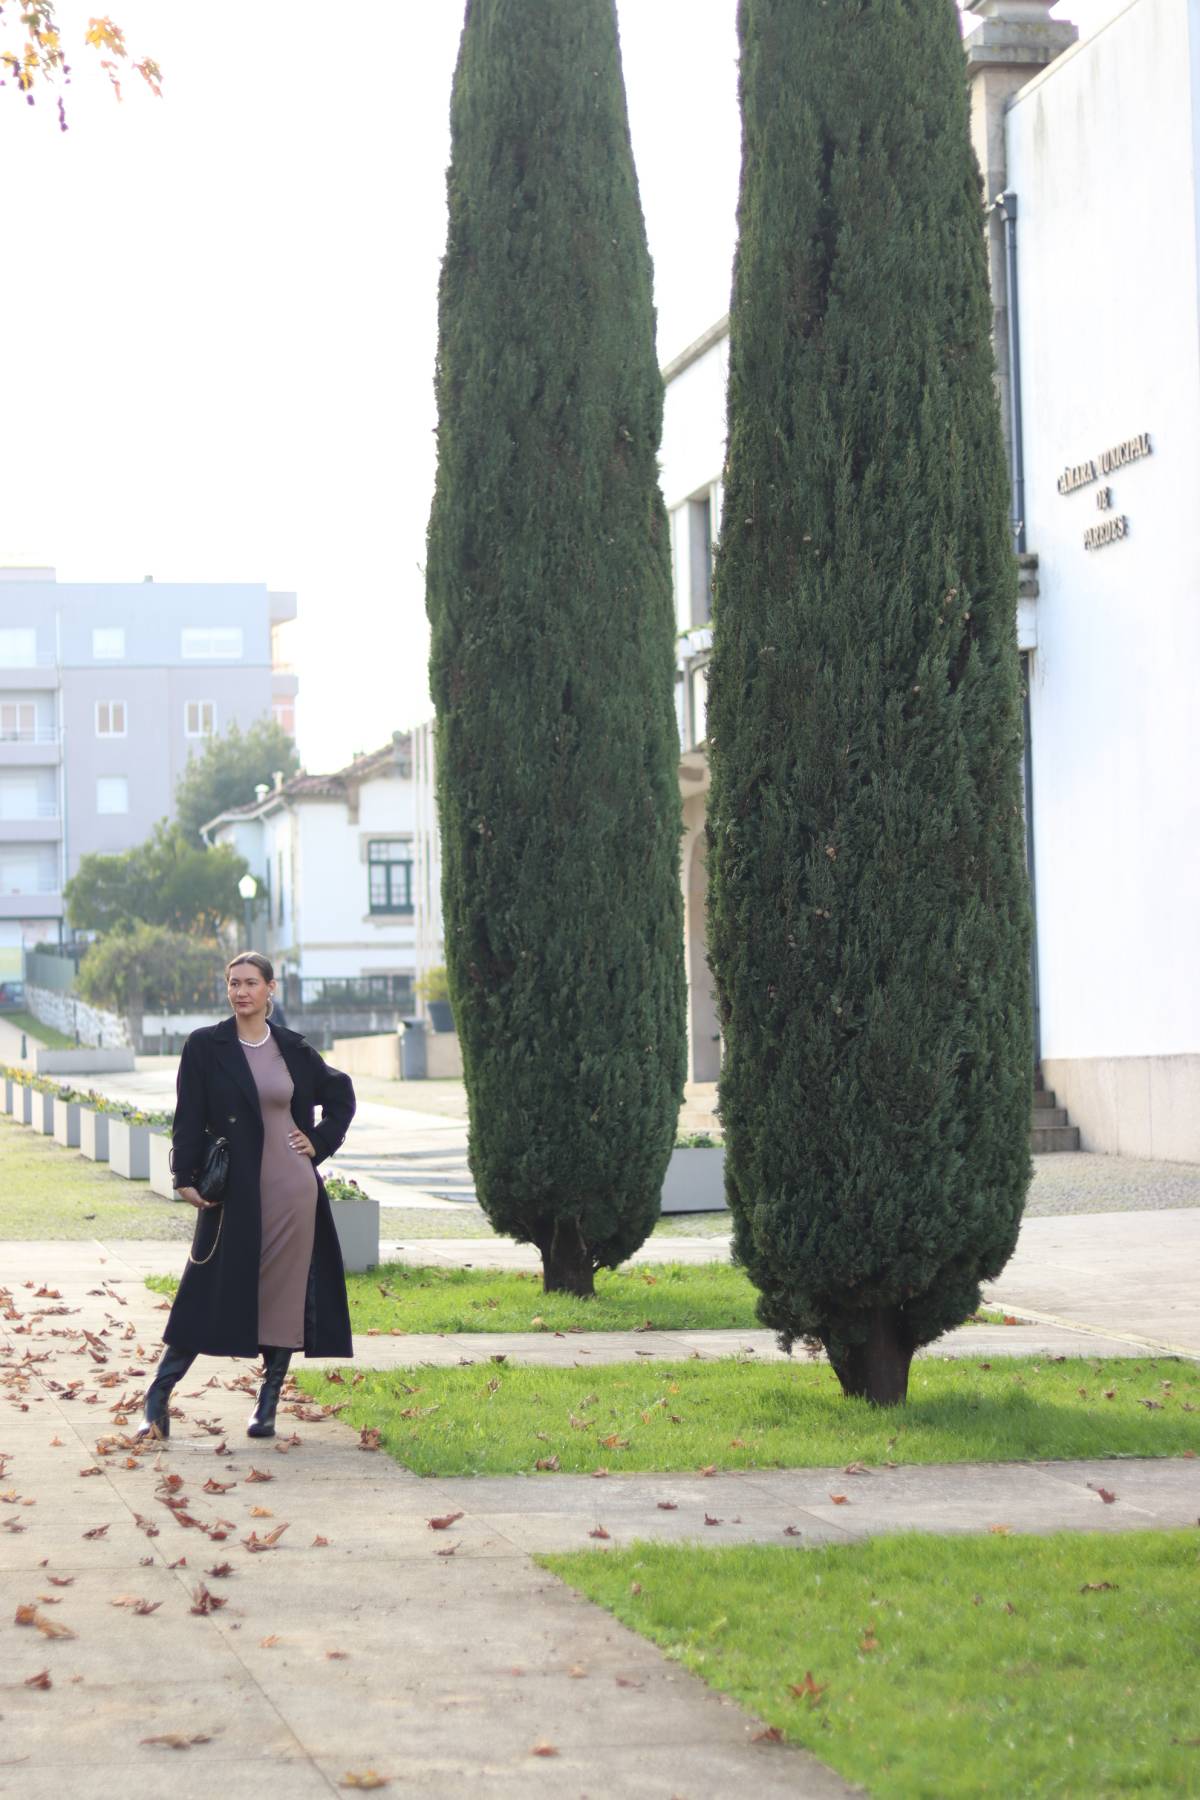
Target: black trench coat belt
x,y
216,1309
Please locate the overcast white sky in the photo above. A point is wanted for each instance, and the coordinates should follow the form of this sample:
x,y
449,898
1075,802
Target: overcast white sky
x,y
220,308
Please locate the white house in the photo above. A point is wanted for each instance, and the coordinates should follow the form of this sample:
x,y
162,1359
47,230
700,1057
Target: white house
x,y
1095,148
333,857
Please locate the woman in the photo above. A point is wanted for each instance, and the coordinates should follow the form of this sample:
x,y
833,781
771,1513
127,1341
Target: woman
x,y
264,1274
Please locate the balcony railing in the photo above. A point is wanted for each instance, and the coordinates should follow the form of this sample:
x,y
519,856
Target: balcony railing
x,y
41,659
21,813
351,990
31,734
46,884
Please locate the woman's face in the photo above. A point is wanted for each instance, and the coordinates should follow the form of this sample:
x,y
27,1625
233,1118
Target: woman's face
x,y
249,991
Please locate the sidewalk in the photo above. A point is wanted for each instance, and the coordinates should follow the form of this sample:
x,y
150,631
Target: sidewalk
x,y
440,1659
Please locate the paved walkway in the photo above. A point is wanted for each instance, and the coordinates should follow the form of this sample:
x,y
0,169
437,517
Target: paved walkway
x,y
361,1640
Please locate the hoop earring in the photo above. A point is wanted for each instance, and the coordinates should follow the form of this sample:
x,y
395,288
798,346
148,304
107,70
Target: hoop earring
x,y
270,1005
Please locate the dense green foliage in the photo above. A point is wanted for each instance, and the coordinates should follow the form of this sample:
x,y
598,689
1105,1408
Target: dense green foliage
x,y
549,594
869,916
168,881
228,770
151,969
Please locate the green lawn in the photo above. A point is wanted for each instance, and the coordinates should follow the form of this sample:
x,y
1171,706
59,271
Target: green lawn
x,y
1022,1666
402,1298
501,1419
45,1035
463,1221
49,1192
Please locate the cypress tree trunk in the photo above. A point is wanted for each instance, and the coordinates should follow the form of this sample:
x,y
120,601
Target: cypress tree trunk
x,y
869,917
549,594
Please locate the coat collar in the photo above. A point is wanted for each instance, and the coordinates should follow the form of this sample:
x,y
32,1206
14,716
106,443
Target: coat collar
x,y
225,1038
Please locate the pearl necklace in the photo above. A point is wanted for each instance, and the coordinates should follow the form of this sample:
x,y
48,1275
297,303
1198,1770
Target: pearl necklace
x,y
254,1043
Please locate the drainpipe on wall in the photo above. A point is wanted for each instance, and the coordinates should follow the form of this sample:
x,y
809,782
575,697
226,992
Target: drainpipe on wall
x,y
1006,205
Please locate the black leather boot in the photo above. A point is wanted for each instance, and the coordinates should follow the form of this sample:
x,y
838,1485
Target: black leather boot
x,y
173,1366
262,1419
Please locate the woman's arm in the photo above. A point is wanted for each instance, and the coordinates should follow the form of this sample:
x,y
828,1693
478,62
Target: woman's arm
x,y
187,1135
334,1094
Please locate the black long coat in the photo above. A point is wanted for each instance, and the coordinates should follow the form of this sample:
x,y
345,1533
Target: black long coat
x,y
216,1309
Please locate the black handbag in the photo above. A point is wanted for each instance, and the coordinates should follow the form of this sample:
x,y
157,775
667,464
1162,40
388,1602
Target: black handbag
x,y
210,1182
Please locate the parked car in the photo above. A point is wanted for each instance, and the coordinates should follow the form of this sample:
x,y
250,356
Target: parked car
x,y
12,996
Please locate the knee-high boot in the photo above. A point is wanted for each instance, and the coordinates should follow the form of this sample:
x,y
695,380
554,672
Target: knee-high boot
x,y
173,1366
262,1419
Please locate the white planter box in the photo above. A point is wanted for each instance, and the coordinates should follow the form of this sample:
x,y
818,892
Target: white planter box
x,y
8,1089
93,1134
129,1149
357,1224
695,1182
25,1108
66,1123
43,1113
161,1179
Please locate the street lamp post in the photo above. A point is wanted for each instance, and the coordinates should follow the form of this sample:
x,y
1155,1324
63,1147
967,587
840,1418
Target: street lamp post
x,y
248,888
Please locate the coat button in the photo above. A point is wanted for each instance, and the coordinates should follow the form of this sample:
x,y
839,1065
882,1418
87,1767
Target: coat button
x,y
233,1118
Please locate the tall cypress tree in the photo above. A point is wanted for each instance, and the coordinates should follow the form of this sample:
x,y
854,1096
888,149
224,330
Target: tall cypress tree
x,y
869,916
549,594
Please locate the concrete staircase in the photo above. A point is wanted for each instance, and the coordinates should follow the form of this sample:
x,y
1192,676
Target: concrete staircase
x,y
1050,1130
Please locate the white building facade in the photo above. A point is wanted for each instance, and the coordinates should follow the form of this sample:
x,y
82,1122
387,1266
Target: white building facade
x,y
1097,146
333,858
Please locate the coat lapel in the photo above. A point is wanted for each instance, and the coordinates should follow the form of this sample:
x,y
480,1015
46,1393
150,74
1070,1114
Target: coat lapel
x,y
233,1060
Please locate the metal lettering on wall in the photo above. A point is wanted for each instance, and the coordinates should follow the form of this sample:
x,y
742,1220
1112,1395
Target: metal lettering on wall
x,y
1079,475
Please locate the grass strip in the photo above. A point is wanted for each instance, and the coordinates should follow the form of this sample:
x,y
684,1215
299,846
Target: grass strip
x,y
497,1418
49,1192
926,1668
404,1298
45,1035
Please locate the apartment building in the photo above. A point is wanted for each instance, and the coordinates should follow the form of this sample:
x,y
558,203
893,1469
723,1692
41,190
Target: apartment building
x,y
105,691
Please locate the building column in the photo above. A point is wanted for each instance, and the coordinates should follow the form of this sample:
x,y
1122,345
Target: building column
x,y
1014,39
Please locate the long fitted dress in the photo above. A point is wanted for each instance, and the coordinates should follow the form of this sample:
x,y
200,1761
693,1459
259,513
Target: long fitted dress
x,y
288,1190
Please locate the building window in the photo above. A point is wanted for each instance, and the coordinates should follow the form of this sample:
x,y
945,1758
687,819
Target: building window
x,y
18,647
212,643
700,557
112,794
110,718
389,866
18,722
284,714
108,643
279,882
699,704
200,718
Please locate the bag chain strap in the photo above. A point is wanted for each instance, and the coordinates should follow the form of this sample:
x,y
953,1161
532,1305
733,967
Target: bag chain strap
x,y
199,1261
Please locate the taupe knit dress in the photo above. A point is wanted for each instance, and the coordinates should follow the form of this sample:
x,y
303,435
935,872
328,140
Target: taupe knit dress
x,y
288,1189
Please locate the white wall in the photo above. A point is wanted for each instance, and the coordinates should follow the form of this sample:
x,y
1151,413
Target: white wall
x,y
338,933
1101,155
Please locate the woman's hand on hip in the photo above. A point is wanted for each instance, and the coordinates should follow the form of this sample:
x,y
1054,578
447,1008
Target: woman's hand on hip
x,y
303,1145
195,1198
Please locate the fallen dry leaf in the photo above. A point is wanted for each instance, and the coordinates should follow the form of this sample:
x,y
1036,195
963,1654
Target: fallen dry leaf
x,y
97,1531
40,1680
61,1580
770,1734
254,1542
709,1520
336,1655
1106,1494
268,1643
259,1475
627,1681
219,1571
218,1487
448,1550
319,1542
1099,1587
856,1468
808,1689
28,1614
577,1672
203,1602
178,1740
370,1438
547,1462
840,1499
1000,1530
367,1779
542,1748
261,1512
598,1531
792,1531
709,1469
444,1521
869,1641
